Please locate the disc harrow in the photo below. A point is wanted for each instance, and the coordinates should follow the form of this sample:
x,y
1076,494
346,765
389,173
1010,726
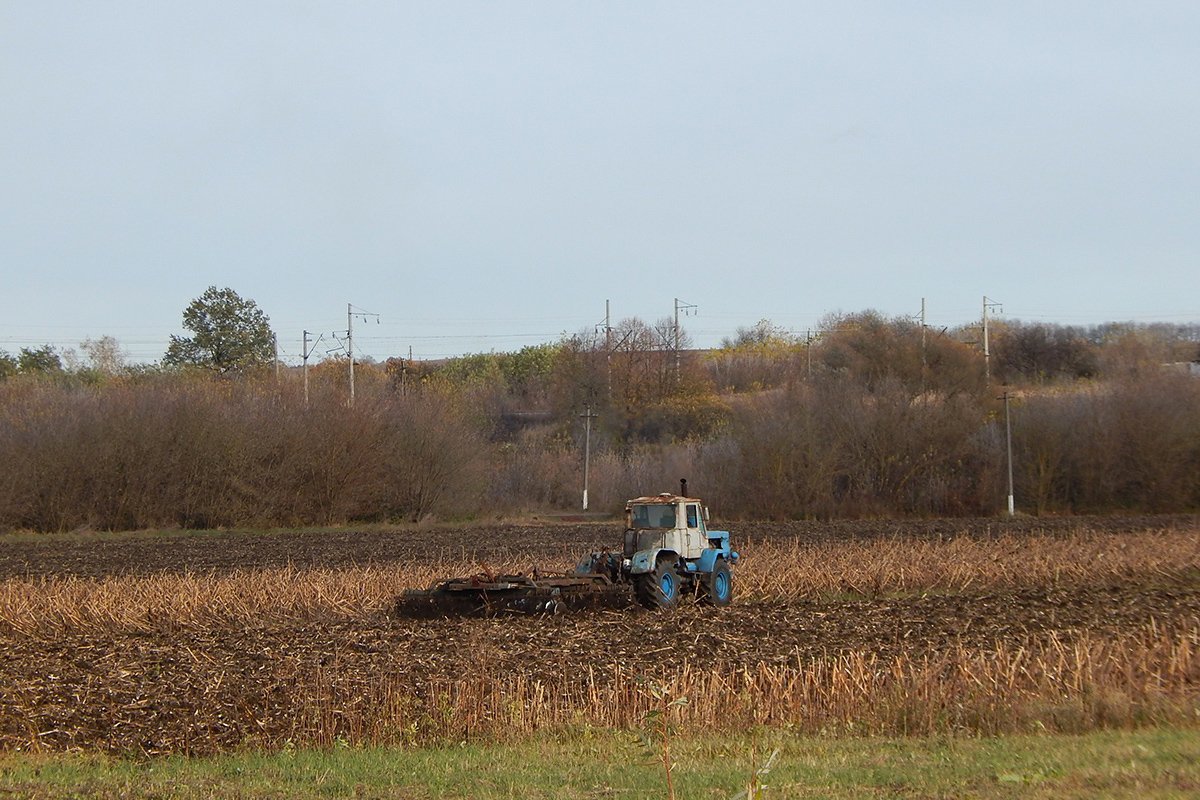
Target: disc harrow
x,y
667,552
489,594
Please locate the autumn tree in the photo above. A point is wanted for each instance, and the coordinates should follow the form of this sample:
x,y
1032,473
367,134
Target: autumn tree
x,y
762,356
105,355
1129,350
876,351
642,387
1040,352
39,360
8,365
230,334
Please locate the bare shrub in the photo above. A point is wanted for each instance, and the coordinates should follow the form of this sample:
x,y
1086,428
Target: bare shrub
x,y
1048,432
618,477
1158,421
1039,352
832,449
533,474
1125,445
435,462
203,452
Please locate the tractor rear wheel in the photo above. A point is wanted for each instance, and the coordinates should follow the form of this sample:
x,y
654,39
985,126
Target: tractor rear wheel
x,y
660,588
718,585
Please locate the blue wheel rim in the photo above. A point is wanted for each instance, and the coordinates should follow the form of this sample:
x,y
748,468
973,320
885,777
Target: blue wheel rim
x,y
721,585
667,584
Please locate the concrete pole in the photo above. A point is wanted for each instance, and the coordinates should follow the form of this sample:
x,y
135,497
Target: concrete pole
x,y
676,339
1008,441
808,350
987,358
304,351
924,357
987,355
587,451
350,347
608,349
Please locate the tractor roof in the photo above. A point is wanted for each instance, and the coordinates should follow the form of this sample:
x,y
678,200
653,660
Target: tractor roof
x,y
666,498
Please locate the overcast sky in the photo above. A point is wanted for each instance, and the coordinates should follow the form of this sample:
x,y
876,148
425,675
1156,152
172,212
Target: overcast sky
x,y
485,175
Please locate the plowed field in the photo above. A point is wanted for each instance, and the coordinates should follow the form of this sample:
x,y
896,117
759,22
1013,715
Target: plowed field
x,y
101,557
200,686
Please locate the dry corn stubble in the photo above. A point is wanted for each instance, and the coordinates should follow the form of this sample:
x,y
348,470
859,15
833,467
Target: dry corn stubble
x,y
1148,676
891,635
770,571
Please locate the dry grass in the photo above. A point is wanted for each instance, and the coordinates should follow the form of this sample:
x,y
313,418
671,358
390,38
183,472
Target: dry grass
x,y
133,604
779,572
769,572
1067,680
1150,676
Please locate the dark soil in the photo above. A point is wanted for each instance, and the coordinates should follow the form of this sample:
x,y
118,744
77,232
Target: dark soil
x,y
219,551
201,690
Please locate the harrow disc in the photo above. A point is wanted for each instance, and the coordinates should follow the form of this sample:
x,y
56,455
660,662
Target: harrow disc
x,y
487,595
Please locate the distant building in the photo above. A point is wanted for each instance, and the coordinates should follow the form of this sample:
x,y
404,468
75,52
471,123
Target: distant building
x,y
1186,367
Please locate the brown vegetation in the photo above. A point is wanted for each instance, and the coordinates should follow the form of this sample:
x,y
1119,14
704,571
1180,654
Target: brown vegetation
x,y
868,417
903,629
211,453
205,453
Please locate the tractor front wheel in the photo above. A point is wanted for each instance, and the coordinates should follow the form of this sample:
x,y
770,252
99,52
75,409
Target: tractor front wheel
x,y
718,585
660,588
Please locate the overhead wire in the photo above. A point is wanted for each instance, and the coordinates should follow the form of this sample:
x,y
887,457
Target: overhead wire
x,y
391,336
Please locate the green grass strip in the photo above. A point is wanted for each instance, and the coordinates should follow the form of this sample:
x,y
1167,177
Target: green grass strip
x,y
1154,763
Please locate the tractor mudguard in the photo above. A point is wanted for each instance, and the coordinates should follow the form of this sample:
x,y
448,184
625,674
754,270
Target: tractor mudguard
x,y
708,558
645,561
718,542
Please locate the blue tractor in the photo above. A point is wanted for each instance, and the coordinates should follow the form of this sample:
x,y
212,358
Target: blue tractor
x,y
667,552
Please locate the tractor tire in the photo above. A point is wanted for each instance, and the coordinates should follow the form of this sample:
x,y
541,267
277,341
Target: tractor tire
x,y
718,585
659,589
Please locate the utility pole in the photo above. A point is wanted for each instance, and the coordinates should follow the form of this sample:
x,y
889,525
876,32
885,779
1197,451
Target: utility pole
x,y
1008,442
923,358
305,353
808,340
608,347
350,315
687,309
607,326
922,333
587,450
987,356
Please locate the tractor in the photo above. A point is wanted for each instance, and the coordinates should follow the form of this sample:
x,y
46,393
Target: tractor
x,y
666,552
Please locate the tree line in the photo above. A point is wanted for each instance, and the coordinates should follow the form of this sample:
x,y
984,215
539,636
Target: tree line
x,y
866,416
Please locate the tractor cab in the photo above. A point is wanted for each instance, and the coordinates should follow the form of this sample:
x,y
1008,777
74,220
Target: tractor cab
x,y
665,522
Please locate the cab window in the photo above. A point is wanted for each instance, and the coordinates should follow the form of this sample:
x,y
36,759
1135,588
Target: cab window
x,y
693,515
655,516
